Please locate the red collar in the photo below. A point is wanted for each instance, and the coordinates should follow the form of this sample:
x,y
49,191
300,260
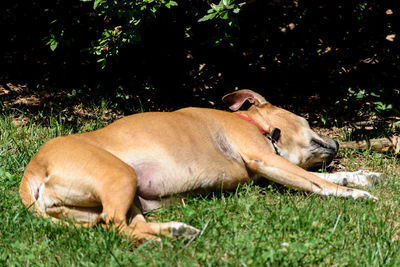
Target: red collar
x,y
275,132
252,121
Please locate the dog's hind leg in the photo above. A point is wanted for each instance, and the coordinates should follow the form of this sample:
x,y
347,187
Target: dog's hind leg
x,y
86,184
140,230
116,207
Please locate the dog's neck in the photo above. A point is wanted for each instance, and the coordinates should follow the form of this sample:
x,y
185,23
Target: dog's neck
x,y
272,138
252,121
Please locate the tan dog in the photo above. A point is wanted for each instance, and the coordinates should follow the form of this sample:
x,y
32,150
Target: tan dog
x,y
138,162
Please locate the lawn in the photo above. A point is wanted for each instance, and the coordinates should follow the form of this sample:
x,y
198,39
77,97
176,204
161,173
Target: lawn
x,y
255,225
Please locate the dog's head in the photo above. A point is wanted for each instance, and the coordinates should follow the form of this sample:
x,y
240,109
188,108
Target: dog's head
x,y
297,143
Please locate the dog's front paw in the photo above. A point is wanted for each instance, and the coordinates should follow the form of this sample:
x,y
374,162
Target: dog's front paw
x,y
363,178
368,178
182,229
355,193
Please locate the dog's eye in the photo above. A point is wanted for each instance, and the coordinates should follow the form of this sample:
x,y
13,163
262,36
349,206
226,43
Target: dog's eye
x,y
319,143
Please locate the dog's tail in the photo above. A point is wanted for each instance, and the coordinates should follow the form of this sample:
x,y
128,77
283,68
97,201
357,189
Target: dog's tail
x,y
29,191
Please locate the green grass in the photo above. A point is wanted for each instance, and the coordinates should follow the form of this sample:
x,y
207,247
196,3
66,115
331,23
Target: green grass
x,y
252,226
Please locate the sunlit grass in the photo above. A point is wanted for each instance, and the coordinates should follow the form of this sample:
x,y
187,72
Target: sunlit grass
x,y
252,226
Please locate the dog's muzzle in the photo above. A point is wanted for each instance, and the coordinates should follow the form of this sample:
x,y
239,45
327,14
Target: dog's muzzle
x,y
323,151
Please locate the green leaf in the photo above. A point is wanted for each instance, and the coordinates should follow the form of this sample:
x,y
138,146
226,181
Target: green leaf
x,y
97,3
207,17
376,95
236,10
382,107
170,4
220,5
360,94
53,44
224,15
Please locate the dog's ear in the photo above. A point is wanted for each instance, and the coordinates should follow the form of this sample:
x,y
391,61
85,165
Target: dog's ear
x,y
236,99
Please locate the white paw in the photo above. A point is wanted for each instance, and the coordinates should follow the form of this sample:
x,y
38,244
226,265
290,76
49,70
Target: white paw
x,y
360,177
182,229
355,193
368,178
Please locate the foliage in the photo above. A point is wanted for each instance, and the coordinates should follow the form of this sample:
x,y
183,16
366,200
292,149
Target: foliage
x,y
224,10
378,98
170,48
126,17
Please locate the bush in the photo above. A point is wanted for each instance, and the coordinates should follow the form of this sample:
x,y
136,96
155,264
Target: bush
x,y
181,49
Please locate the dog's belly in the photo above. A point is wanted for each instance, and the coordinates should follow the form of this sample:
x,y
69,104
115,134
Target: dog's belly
x,y
156,181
